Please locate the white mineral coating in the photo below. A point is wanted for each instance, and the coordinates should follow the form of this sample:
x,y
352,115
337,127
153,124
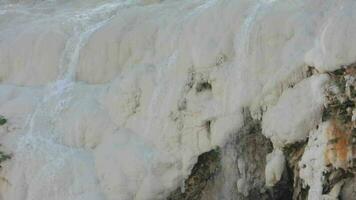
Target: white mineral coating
x,y
297,111
312,164
115,99
274,167
335,44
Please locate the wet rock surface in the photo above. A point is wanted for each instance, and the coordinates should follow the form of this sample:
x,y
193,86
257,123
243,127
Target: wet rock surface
x,y
251,147
204,171
247,163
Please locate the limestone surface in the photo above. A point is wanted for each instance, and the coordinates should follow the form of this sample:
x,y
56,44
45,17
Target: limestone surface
x,y
116,99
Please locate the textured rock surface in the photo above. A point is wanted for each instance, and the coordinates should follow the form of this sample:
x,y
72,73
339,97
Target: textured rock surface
x,y
124,99
203,173
320,167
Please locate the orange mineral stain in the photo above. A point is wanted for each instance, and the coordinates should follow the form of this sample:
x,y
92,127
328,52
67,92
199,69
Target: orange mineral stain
x,y
337,151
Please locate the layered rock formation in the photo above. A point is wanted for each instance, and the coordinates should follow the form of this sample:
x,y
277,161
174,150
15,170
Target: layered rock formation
x,y
177,99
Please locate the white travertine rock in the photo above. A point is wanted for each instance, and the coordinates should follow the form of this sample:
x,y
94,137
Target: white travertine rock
x,y
30,54
117,99
275,167
297,111
335,44
312,164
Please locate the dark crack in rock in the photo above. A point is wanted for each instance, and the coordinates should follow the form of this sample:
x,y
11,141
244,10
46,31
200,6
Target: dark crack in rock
x,y
3,156
207,166
241,173
238,171
294,153
244,158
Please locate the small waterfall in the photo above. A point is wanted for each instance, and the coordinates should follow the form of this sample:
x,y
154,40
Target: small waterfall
x,y
85,23
242,173
40,141
232,182
243,38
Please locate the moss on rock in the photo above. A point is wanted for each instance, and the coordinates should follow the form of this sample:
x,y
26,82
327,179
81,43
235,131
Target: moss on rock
x,y
3,120
3,156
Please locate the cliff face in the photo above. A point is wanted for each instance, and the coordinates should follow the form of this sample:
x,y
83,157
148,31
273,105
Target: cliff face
x,y
168,99
322,166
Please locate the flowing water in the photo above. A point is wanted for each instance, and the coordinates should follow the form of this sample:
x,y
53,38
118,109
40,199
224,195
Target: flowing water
x,y
233,182
41,140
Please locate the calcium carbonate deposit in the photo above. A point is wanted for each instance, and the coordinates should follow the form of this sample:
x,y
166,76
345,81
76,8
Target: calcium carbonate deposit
x,y
117,99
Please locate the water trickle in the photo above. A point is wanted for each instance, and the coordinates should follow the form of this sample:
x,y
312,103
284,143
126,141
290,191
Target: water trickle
x,y
229,153
243,38
41,141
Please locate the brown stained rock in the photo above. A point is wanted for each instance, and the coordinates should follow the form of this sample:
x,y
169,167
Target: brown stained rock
x,y
250,147
341,133
338,149
340,152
